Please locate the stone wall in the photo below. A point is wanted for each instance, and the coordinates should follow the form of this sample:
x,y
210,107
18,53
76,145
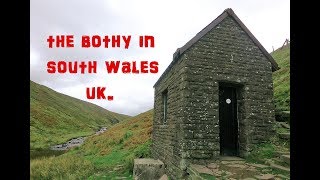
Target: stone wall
x,y
225,54
167,136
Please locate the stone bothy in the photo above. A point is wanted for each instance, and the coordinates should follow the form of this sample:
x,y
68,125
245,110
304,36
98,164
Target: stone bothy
x,y
215,98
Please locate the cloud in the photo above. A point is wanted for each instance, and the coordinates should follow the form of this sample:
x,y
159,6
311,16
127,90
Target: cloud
x,y
172,23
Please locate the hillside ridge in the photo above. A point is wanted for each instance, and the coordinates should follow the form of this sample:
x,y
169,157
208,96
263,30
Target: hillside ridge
x,y
56,117
281,78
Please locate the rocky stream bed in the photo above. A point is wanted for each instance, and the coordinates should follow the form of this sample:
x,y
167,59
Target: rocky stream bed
x,y
74,142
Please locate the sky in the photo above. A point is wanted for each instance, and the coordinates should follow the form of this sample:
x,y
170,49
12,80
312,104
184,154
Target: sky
x,y
172,23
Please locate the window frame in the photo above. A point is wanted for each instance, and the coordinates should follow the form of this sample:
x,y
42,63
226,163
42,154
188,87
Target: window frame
x,y
165,106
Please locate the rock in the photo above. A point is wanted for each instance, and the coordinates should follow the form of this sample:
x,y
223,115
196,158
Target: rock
x,y
252,169
280,153
227,173
259,165
285,158
265,177
279,167
218,173
73,142
242,166
201,169
226,162
215,170
282,116
285,136
232,162
222,173
282,176
285,125
213,166
266,170
145,169
164,177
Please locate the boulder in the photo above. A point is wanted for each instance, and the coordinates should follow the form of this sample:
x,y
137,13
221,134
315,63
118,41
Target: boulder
x,y
146,169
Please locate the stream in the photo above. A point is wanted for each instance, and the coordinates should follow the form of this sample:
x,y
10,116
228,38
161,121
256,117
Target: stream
x,y
74,142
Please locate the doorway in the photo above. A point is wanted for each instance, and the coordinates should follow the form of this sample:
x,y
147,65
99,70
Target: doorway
x,y
228,122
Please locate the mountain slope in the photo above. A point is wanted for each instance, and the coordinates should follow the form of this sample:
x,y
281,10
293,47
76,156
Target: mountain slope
x,y
109,154
55,117
281,78
122,143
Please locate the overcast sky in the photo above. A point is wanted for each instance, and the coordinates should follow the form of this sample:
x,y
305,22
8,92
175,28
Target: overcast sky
x,y
171,22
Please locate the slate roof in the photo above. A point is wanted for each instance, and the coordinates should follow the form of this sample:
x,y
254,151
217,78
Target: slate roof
x,y
209,27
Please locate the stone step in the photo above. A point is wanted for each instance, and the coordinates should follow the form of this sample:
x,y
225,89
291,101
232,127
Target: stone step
x,y
280,153
258,165
285,136
231,158
197,169
265,177
283,177
193,171
276,166
213,166
283,116
280,162
285,158
285,125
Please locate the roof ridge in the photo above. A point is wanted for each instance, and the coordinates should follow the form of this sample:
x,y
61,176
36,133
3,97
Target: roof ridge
x,y
227,12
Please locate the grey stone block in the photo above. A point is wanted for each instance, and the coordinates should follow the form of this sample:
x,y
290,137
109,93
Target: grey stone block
x,y
146,169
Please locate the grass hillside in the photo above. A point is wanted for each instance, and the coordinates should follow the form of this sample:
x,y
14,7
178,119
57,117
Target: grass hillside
x,y
281,78
109,154
56,118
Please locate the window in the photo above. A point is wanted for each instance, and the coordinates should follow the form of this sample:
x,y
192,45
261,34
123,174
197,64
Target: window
x,y
165,105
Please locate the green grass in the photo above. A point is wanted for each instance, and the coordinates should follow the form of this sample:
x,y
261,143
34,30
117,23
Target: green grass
x,y
282,130
120,145
110,176
61,167
281,78
267,150
207,176
261,152
276,171
55,118
40,153
109,154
